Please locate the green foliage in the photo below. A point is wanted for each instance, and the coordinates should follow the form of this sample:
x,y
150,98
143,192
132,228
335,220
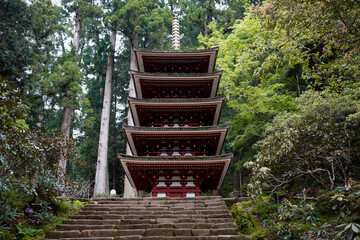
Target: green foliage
x,y
320,35
26,39
31,230
246,216
196,18
243,219
67,205
66,79
343,203
290,211
254,103
318,142
29,181
291,219
149,20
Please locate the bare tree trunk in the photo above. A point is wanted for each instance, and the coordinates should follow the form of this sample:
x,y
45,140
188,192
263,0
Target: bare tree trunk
x,y
65,131
100,73
235,180
240,183
114,134
205,29
298,84
129,191
78,26
114,176
102,174
67,112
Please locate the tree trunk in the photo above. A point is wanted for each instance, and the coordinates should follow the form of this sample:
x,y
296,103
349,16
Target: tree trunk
x,y
67,112
129,191
240,183
114,135
235,180
78,26
205,29
100,72
65,131
102,174
114,176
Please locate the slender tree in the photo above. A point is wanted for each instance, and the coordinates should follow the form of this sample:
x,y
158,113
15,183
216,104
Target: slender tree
x,y
102,173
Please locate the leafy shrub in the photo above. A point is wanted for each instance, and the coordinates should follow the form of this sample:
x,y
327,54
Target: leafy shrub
x,y
29,180
314,146
246,221
243,219
345,204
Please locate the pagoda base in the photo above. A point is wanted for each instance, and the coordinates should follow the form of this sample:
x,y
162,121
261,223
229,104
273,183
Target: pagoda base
x,y
178,191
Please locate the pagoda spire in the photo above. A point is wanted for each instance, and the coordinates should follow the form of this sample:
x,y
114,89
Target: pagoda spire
x,y
175,33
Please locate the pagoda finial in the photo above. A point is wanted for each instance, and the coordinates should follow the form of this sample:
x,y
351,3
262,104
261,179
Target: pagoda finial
x,y
175,33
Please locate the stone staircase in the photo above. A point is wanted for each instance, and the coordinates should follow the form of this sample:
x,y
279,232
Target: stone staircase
x,y
149,218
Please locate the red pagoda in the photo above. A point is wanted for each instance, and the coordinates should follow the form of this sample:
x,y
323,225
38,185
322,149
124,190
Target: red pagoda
x,y
176,141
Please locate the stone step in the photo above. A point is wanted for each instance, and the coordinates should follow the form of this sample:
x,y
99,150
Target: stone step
x,y
145,226
81,227
121,215
178,205
164,199
83,238
221,237
86,233
156,232
149,218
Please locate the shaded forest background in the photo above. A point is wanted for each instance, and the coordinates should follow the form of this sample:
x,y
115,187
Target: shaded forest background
x,y
290,77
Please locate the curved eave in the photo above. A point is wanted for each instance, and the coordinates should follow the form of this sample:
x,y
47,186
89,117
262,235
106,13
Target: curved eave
x,y
175,77
173,163
175,103
211,53
130,131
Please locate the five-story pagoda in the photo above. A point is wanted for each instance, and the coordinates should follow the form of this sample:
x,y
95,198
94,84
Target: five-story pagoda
x,y
176,141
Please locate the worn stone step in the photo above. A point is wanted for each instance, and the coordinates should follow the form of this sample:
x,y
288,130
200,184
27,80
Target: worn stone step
x,y
83,226
92,221
230,237
172,237
92,212
139,221
210,211
126,232
134,226
221,215
216,225
156,200
163,225
223,231
149,218
87,216
99,233
183,232
185,225
218,220
166,220
191,220
159,232
200,232
83,238
129,237
63,234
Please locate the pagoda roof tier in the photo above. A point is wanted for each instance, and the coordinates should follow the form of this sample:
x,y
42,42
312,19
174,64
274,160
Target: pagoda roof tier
x,y
144,172
195,61
152,112
208,140
176,85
